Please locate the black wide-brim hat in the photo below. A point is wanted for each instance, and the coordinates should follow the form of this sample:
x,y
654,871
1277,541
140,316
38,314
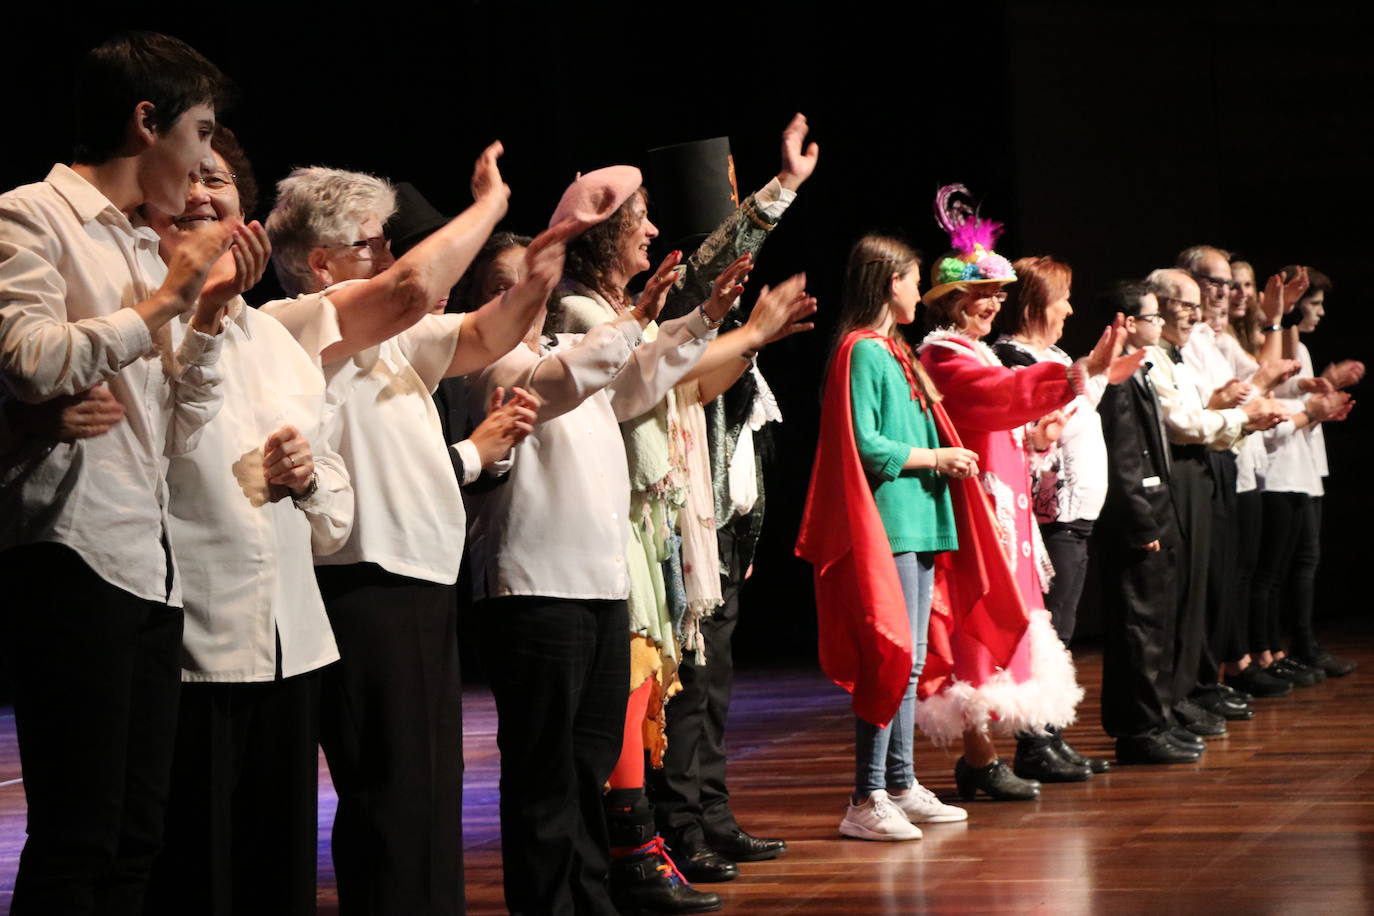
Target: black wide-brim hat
x,y
415,218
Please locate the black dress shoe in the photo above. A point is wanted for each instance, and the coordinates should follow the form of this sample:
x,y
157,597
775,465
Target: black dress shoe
x,y
1221,704
1183,738
738,846
1152,747
1240,696
1333,665
701,864
1198,720
1259,682
647,881
1095,764
1041,761
995,780
1294,671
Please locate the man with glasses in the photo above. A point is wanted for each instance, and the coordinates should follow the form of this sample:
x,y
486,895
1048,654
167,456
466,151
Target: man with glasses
x,y
392,713
1197,426
1141,543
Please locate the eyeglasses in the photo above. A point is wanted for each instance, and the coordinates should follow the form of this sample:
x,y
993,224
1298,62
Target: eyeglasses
x,y
1153,318
1216,284
376,246
1187,306
216,180
978,296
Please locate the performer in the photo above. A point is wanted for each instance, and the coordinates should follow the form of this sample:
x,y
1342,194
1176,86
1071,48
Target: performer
x,y
969,685
92,625
392,728
880,465
552,593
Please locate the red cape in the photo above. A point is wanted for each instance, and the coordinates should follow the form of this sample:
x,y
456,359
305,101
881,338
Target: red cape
x,y
865,637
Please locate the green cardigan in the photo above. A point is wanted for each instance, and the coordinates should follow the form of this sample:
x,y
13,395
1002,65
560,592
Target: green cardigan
x,y
913,504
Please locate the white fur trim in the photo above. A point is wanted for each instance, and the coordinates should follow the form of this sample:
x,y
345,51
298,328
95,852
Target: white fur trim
x,y
1049,697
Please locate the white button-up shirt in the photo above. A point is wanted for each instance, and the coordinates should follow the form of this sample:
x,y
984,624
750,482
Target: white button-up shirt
x,y
556,527
1297,457
71,266
249,576
409,516
1186,416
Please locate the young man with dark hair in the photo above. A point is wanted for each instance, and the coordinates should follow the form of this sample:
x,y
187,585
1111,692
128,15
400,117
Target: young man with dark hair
x,y
92,628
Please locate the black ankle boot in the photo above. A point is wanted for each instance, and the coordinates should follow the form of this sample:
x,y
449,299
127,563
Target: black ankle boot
x,y
647,881
1037,760
995,780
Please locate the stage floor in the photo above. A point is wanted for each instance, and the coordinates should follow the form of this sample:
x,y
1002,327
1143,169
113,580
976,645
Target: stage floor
x,y
1278,818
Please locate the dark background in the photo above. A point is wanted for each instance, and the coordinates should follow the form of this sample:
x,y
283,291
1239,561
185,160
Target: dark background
x,y
1108,137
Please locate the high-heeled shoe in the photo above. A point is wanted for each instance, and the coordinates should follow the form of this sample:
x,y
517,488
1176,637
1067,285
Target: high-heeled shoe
x,y
995,780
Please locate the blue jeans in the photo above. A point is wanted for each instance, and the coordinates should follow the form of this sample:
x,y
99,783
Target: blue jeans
x,y
883,756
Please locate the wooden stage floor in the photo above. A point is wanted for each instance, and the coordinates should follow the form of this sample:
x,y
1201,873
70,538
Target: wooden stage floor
x,y
1278,818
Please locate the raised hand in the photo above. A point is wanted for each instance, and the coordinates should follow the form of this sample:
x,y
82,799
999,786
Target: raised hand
x,y
1345,373
655,293
1279,297
486,177
1105,357
545,254
506,424
780,311
727,288
1049,428
238,270
796,165
287,460
190,265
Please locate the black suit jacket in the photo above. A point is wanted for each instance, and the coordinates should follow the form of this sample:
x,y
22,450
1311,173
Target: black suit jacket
x,y
1140,506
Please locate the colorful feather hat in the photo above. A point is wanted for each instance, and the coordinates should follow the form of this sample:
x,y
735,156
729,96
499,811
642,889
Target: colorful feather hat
x,y
972,261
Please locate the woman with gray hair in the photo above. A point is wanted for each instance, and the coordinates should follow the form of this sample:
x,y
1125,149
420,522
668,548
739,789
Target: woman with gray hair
x,y
392,727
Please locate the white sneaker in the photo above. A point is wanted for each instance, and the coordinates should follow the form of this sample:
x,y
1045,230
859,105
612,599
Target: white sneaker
x,y
878,819
921,806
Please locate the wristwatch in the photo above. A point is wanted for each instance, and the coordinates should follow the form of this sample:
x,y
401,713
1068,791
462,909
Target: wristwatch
x,y
310,489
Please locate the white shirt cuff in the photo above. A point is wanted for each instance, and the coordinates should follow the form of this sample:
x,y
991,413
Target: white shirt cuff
x,y
471,461
773,199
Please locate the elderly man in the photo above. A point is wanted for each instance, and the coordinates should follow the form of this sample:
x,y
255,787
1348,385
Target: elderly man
x,y
392,728
1195,428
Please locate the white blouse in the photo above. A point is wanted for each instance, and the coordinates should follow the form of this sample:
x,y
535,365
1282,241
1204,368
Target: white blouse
x,y
556,527
246,548
1297,457
409,516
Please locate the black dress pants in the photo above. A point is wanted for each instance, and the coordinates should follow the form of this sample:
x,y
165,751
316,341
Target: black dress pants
x,y
1251,617
689,793
241,819
392,731
1139,615
560,673
1286,575
1192,483
1067,545
1222,607
96,679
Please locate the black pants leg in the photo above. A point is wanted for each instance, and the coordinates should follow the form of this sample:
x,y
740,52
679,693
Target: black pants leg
x,y
1067,545
1278,543
96,680
560,674
1139,613
690,794
1221,572
1299,592
1249,523
241,820
1193,501
391,728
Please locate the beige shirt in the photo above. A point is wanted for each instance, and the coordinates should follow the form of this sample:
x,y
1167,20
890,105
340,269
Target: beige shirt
x,y
409,516
254,578
71,266
556,527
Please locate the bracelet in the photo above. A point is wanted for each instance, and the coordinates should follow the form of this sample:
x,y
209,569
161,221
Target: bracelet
x,y
711,323
1272,327
310,489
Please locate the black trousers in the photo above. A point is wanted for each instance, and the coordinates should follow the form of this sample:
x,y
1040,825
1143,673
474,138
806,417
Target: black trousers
x,y
1290,552
689,793
241,819
560,673
96,680
1192,483
392,731
1222,607
1067,545
1251,617
1139,616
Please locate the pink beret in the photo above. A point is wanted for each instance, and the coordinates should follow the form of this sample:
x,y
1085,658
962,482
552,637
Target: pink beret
x,y
593,197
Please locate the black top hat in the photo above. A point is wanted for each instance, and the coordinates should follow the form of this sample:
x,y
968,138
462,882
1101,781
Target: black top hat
x,y
414,219
692,189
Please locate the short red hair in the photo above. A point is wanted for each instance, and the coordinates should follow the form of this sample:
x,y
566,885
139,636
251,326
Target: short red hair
x,y
1040,282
